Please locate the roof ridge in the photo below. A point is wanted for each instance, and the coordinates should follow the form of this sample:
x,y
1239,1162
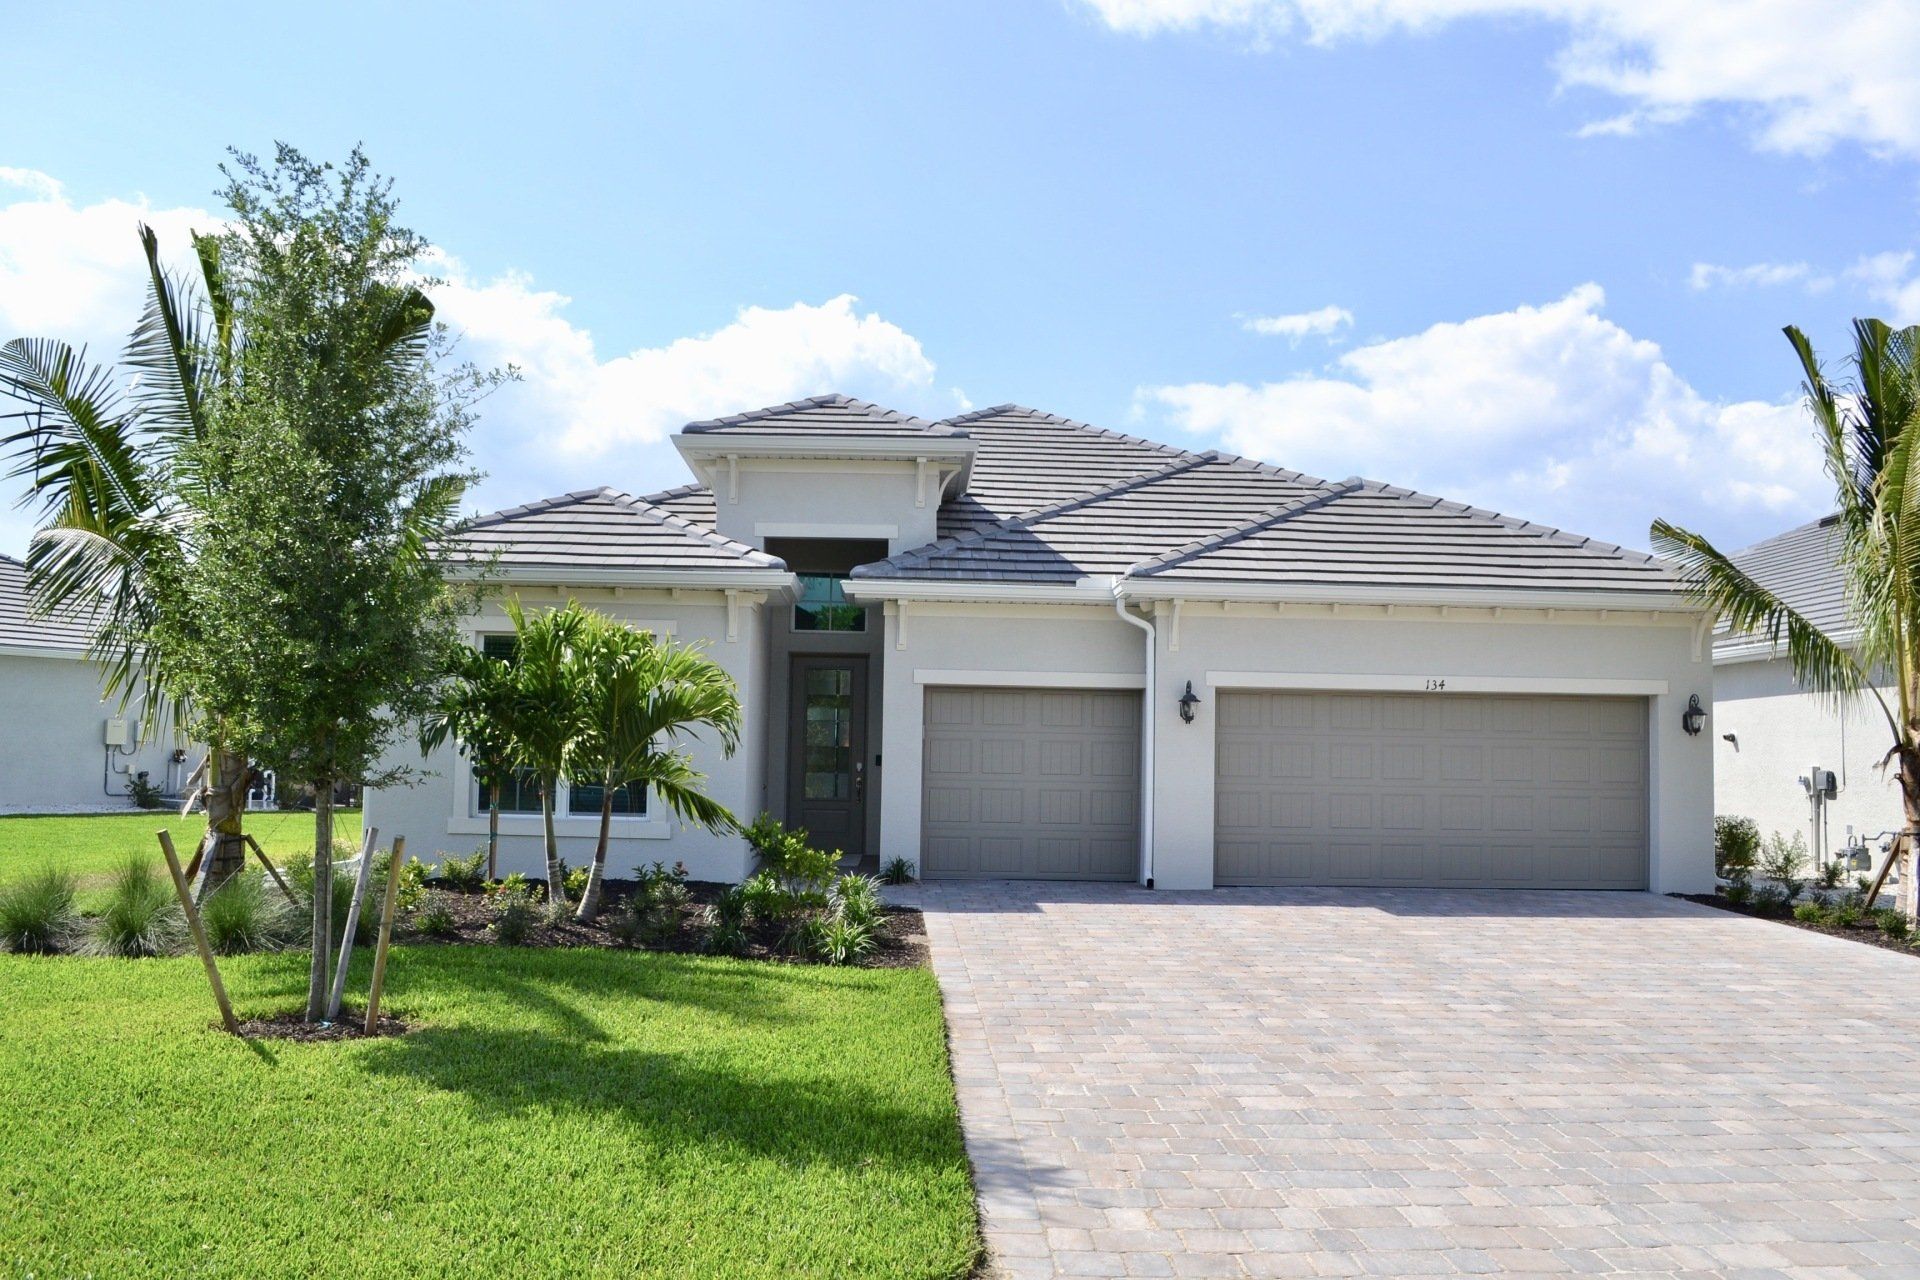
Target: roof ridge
x,y
1329,492
980,415
831,399
505,514
678,491
1577,541
927,550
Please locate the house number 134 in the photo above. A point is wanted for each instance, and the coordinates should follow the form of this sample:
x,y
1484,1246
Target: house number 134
x,y
1434,686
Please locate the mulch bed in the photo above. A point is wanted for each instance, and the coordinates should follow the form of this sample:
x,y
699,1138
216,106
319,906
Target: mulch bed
x,y
1866,931
900,941
293,1026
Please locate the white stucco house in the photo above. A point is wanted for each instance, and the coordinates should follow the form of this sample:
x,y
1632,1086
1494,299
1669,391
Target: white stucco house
x,y
1770,735
64,749
971,644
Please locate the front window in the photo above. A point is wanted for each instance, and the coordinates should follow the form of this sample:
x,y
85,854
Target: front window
x,y
520,794
629,801
823,605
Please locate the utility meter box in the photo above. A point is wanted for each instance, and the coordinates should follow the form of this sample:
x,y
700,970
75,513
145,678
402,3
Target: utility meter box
x,y
115,734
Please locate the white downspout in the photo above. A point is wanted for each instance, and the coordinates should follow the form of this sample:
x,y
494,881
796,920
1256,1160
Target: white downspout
x,y
1146,738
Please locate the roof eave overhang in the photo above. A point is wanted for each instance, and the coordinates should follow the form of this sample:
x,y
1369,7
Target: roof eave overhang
x,y
1726,652
1150,588
707,453
1094,590
697,579
40,651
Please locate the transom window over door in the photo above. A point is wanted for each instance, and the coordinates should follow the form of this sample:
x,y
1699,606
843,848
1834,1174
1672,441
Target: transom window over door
x,y
820,567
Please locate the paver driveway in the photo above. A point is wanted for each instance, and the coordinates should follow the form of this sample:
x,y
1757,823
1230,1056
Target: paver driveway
x,y
1385,1082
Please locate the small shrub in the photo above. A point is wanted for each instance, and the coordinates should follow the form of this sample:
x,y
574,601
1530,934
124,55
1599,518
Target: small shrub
x,y
856,899
1738,894
1782,861
1829,876
1771,899
898,871
767,900
435,916
143,791
801,869
652,916
413,883
36,912
1736,844
574,879
514,913
1810,913
464,875
837,940
300,880
725,920
241,916
1893,922
513,885
1846,915
141,916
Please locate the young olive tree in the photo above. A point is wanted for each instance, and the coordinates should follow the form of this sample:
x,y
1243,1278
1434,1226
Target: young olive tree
x,y
335,459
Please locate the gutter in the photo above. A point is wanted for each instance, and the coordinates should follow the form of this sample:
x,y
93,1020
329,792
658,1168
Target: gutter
x,y
1146,733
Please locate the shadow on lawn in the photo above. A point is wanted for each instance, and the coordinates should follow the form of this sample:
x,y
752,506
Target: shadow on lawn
x,y
671,1098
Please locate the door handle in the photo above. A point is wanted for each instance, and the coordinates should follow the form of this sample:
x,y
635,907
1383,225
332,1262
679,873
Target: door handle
x,y
859,780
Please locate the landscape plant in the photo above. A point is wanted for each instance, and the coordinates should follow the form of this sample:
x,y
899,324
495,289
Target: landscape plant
x,y
1868,425
543,716
897,871
320,616
141,917
1782,860
245,915
435,917
472,709
514,913
1736,844
642,698
464,875
37,915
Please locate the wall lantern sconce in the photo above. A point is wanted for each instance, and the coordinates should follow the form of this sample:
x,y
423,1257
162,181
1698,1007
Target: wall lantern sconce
x,y
1188,701
1694,716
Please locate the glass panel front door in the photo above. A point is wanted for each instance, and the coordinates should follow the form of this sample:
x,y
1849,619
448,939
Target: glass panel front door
x,y
827,751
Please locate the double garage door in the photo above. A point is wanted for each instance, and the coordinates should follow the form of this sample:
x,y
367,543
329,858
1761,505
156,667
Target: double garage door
x,y
1431,789
1437,790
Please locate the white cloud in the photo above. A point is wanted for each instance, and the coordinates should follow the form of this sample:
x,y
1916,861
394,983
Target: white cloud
x,y
1758,275
1552,412
1889,278
1322,322
580,417
1809,75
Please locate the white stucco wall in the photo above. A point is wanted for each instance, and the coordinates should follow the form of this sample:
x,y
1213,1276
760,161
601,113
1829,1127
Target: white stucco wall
x,y
437,815
52,753
1782,733
1088,645
822,498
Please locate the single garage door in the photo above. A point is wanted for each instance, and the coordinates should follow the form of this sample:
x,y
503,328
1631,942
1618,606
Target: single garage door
x,y
1032,784
1431,789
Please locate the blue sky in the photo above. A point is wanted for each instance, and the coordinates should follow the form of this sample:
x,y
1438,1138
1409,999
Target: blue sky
x,y
1533,261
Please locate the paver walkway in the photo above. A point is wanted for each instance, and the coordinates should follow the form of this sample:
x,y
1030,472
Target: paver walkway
x,y
1401,1083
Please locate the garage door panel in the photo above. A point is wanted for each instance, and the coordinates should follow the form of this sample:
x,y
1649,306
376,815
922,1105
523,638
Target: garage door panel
x,y
1037,784
1431,789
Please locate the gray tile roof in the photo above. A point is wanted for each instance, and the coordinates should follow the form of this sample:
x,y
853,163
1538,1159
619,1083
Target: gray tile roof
x,y
1367,534
1801,566
1027,460
602,529
24,627
828,415
1111,530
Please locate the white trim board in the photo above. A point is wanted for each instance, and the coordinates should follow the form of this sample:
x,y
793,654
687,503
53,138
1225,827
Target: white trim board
x,y
789,529
1033,679
1589,685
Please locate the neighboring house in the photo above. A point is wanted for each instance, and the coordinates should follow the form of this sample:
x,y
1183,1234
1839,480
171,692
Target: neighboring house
x,y
1769,734
57,753
968,644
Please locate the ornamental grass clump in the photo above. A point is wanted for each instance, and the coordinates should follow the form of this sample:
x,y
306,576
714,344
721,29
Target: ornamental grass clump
x,y
242,916
141,917
36,913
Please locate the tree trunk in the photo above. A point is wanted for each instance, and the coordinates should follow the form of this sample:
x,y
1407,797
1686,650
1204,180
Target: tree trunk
x,y
493,834
1904,844
590,900
317,974
556,880
224,852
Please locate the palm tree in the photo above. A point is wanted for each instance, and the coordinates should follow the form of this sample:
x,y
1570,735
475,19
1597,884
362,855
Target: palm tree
x,y
642,696
473,710
1869,431
115,480
544,712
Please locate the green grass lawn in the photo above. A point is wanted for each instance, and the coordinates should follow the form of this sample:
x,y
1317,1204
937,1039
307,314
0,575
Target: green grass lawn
x,y
555,1113
92,845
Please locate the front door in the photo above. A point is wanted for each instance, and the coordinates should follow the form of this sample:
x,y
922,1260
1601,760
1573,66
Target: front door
x,y
827,752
